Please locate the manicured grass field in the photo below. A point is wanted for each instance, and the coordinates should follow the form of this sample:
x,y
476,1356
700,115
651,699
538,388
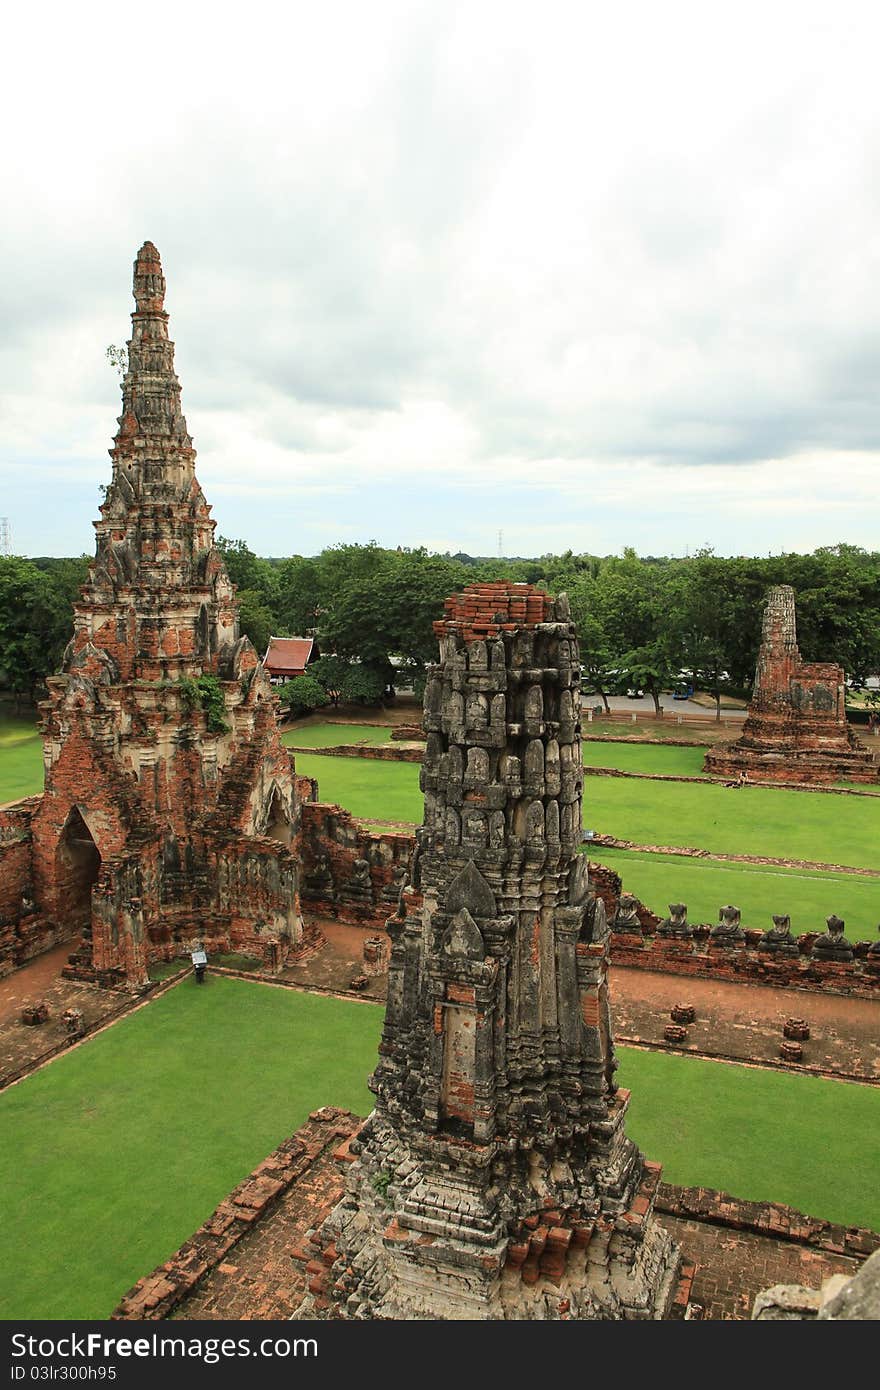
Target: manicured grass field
x,y
366,787
761,1135
21,759
708,732
645,757
116,1152
333,735
737,820
758,891
741,820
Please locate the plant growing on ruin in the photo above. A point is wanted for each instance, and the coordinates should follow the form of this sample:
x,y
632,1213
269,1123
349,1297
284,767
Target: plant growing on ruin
x,y
381,1182
206,695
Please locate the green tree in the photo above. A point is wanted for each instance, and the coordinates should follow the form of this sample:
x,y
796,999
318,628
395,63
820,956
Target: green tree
x,y
300,597
591,616
636,598
255,618
363,684
331,671
35,625
303,694
704,615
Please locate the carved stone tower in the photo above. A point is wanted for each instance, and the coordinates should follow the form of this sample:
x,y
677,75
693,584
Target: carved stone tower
x,y
167,787
494,1178
796,729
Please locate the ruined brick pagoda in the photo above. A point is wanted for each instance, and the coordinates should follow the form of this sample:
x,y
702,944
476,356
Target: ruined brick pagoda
x,y
170,810
796,729
494,1178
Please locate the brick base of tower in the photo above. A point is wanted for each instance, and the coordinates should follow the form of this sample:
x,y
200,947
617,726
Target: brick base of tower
x,y
448,1231
796,729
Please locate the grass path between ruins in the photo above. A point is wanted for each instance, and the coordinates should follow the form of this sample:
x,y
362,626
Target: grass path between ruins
x,y
758,891
333,735
727,820
116,1152
21,758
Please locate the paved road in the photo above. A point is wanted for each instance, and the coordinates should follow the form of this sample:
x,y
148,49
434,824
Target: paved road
x,y
646,705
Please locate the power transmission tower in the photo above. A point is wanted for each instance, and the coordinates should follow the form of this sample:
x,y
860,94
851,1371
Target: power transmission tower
x,y
500,545
5,536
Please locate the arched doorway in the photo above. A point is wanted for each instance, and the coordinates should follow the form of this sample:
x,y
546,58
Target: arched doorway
x,y
277,823
77,865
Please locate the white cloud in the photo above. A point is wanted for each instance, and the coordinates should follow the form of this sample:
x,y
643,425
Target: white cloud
x,y
631,250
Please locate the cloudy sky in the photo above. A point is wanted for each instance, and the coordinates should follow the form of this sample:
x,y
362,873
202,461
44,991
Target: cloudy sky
x,y
588,274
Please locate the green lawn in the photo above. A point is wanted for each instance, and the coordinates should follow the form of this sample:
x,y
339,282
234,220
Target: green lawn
x,y
384,791
741,820
737,820
21,758
334,735
661,729
759,891
762,1135
645,757
116,1152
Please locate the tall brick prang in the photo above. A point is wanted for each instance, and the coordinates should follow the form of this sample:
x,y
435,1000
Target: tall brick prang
x,y
796,729
494,1178
170,810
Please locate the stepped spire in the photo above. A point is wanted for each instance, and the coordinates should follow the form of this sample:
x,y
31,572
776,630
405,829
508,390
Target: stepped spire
x,y
170,803
149,282
156,569
151,409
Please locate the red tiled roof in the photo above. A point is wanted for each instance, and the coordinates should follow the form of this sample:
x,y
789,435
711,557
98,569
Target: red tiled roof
x,y
288,656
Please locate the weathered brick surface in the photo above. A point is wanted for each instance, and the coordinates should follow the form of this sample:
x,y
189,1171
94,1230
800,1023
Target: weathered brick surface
x,y
495,1071
732,1267
377,751
22,933
163,821
796,729
703,959
348,871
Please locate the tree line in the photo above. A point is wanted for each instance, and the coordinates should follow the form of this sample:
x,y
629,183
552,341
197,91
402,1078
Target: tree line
x,y
643,621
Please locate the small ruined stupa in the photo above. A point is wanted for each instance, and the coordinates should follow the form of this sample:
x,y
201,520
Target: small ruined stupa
x,y
170,809
796,729
494,1179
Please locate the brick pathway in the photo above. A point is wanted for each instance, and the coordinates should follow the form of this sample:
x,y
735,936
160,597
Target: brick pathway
x,y
733,1266
21,1047
339,960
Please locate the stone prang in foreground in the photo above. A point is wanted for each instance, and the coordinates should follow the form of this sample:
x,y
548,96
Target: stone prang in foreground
x,y
494,1178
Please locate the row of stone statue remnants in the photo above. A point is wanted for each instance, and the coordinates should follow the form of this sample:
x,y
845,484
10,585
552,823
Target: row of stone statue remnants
x,y
832,944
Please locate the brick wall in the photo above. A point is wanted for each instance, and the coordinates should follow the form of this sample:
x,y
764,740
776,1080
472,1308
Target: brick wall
x,y
350,872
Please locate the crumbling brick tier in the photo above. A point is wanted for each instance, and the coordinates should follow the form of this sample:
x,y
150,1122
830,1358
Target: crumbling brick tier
x,y
796,729
170,811
496,1107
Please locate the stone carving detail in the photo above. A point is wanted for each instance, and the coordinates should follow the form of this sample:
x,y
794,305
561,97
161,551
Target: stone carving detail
x,y
626,918
833,945
779,939
676,924
495,1095
729,931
